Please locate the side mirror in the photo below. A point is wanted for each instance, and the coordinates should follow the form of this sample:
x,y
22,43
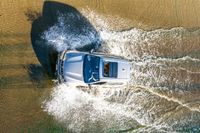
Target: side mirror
x,y
91,51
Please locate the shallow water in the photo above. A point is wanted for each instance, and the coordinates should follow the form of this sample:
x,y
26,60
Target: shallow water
x,y
162,96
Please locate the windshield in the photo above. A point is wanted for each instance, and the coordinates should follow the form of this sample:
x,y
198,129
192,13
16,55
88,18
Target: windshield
x,y
91,68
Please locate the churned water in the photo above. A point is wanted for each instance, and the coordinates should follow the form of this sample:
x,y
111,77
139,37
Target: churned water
x,y
163,94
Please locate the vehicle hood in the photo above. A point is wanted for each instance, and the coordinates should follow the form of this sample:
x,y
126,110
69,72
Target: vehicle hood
x,y
73,68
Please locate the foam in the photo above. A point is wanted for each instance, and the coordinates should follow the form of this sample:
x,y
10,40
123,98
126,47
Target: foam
x,y
157,58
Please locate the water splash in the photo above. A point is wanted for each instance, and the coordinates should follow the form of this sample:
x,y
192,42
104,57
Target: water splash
x,y
115,109
174,74
70,32
163,63
137,43
82,112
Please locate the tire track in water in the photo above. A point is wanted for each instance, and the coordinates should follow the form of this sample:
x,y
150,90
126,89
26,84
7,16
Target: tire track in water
x,y
157,56
171,99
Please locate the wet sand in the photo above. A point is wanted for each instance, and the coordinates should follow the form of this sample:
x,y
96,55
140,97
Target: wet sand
x,y
23,82
151,13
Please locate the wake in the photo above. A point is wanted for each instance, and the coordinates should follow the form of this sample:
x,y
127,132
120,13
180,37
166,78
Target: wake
x,y
164,77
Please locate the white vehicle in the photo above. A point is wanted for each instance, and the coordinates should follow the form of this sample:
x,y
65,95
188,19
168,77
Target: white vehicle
x,y
84,68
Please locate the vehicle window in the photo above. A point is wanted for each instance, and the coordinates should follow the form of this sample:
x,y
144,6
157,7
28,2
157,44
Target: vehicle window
x,y
91,68
110,69
106,69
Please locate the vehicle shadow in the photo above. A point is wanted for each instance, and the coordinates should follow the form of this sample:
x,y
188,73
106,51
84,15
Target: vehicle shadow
x,y
37,75
42,22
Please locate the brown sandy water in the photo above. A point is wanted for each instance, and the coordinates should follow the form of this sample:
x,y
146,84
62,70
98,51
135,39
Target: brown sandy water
x,y
160,37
